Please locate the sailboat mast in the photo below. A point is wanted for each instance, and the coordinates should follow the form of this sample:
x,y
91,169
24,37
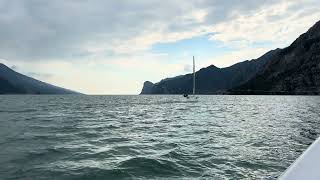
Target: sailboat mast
x,y
194,77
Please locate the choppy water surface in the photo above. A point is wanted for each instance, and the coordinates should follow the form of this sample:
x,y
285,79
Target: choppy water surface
x,y
154,137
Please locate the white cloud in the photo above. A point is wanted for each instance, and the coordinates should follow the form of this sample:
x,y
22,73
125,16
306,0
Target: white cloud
x,y
231,58
275,23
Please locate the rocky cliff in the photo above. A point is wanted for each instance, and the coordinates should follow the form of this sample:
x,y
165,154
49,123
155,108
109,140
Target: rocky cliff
x,y
294,70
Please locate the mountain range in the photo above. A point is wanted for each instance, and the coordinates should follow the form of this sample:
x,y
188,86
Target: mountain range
x,y
12,82
292,70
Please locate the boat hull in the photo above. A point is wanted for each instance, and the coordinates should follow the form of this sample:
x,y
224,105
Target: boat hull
x,y
306,166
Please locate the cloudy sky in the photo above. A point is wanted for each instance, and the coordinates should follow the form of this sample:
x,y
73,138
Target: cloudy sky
x,y
112,47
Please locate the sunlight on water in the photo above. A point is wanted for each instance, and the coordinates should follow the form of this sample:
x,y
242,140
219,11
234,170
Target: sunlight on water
x,y
121,137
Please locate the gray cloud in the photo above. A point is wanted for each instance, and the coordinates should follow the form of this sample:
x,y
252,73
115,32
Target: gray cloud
x,y
39,75
32,74
70,29
14,67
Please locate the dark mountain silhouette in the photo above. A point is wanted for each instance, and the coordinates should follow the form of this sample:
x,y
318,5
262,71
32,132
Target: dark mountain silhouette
x,y
294,70
12,82
147,87
210,80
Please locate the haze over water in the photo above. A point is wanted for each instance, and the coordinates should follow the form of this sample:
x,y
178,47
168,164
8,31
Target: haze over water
x,y
152,137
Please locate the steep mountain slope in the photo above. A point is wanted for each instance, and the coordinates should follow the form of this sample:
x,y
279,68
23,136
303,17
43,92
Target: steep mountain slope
x,y
210,80
294,70
7,88
12,82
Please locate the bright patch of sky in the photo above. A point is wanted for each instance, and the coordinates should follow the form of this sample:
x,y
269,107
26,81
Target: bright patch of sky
x,y
199,46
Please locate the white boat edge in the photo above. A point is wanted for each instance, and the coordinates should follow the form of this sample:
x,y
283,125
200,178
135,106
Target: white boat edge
x,y
307,166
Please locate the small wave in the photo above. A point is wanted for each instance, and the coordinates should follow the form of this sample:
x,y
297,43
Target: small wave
x,y
111,140
45,152
93,173
174,102
37,155
173,155
88,134
142,166
255,165
18,111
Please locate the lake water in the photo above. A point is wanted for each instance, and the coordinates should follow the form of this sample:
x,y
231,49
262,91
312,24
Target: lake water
x,y
154,137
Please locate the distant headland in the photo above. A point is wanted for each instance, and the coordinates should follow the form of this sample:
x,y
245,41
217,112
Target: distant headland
x,y
13,82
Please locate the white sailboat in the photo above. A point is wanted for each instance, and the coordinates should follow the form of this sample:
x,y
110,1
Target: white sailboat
x,y
194,80
194,77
